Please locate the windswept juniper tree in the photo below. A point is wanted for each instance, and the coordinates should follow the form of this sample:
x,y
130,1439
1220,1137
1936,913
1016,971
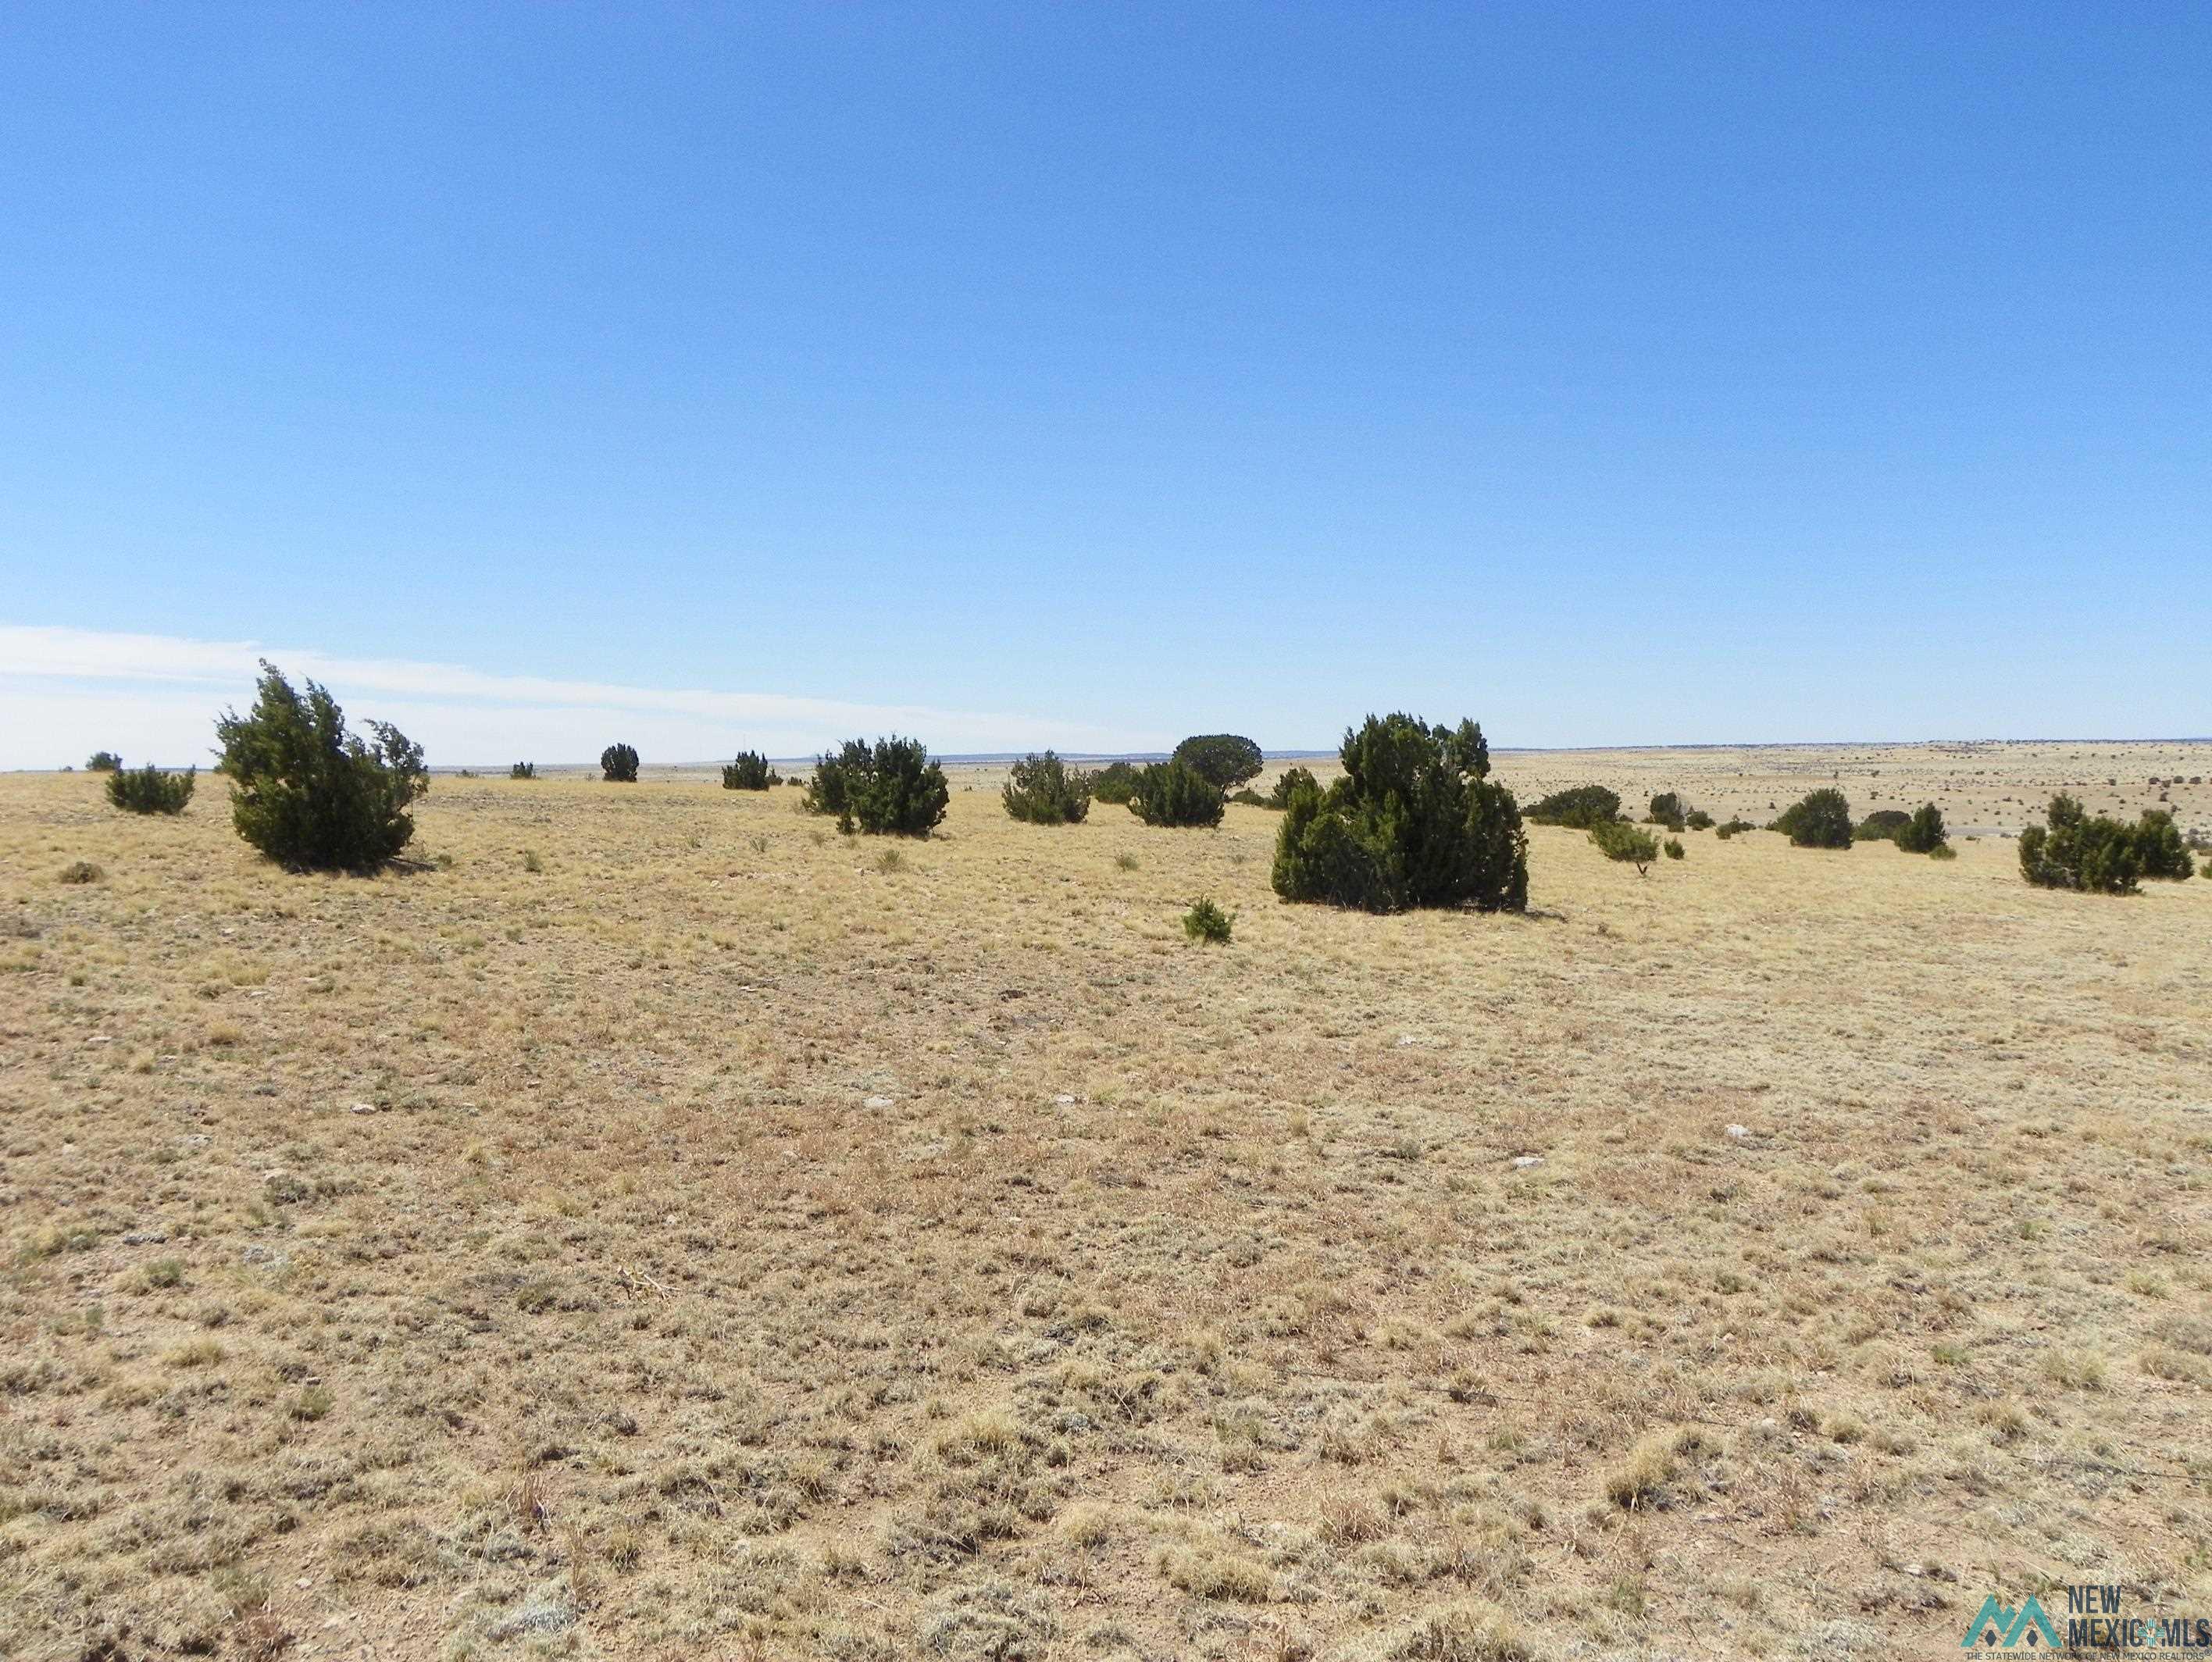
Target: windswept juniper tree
x,y
1414,821
308,793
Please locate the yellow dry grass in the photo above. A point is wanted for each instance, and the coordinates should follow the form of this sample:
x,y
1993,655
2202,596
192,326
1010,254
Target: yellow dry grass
x,y
655,1228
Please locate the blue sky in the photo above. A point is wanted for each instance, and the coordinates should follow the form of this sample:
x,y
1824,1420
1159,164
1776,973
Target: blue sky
x,y
1095,375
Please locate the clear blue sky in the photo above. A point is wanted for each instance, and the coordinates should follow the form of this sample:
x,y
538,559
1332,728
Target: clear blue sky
x,y
1610,373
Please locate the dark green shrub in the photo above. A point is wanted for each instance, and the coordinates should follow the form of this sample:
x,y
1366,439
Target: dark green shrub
x,y
1225,760
1697,820
1923,833
750,772
1620,840
104,761
310,795
150,791
1175,793
2160,849
2073,850
889,788
1674,848
1881,826
1044,791
80,871
1208,922
1732,828
522,770
1942,850
1821,820
618,764
1414,821
1579,807
1248,799
1116,782
1294,779
1668,810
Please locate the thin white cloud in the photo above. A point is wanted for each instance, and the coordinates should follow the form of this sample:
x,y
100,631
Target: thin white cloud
x,y
64,693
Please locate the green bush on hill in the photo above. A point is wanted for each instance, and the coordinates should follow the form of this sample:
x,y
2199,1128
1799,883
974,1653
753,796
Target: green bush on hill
x,y
750,772
1923,833
1045,790
1175,793
310,795
1294,779
618,764
889,788
1225,760
1620,840
1414,821
1821,820
150,791
2097,855
1578,807
1116,782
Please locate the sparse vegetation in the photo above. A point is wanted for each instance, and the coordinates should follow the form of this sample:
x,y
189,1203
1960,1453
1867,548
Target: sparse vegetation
x,y
1414,821
522,770
890,788
618,764
310,795
1042,790
103,761
149,790
750,772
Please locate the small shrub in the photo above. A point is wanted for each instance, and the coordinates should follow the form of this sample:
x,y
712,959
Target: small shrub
x,y
1578,808
1294,779
1248,798
1943,851
1882,824
890,787
310,795
1414,821
1206,921
148,789
1044,791
522,770
1733,828
1673,848
750,772
618,764
532,860
1116,782
1923,833
104,761
1225,760
1125,861
80,871
1176,794
1820,820
1667,809
1699,820
1617,839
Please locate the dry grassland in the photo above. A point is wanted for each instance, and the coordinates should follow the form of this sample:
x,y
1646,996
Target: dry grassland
x,y
659,1227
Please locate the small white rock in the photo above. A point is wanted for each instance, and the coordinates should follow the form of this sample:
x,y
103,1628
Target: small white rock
x,y
1522,1162
1064,1099
1739,1130
364,1107
879,1103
